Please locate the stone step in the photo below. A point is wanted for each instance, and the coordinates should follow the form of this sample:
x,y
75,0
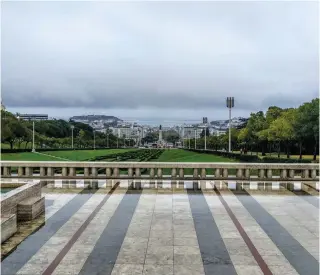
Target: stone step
x,y
30,208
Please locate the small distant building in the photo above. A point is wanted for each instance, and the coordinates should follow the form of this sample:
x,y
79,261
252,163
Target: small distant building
x,y
33,116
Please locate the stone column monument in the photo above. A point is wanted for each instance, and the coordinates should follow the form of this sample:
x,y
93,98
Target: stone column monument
x,y
160,134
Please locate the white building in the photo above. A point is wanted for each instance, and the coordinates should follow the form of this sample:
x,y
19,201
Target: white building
x,y
190,131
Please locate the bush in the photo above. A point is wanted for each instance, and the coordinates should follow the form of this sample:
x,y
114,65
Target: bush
x,y
252,158
246,158
284,160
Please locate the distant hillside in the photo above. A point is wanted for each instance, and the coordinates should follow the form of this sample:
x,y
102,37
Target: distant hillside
x,y
95,117
237,122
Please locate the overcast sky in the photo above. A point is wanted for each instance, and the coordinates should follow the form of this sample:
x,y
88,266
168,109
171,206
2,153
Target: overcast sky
x,y
158,60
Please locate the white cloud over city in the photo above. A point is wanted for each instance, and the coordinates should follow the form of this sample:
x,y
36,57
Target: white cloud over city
x,y
169,60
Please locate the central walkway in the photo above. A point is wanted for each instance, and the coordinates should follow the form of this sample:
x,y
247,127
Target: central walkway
x,y
173,228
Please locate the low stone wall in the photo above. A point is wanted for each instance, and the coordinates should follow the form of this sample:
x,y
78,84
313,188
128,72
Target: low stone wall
x,y
137,170
8,226
21,204
10,200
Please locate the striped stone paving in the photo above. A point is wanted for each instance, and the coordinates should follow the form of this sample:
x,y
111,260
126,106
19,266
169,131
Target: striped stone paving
x,y
169,227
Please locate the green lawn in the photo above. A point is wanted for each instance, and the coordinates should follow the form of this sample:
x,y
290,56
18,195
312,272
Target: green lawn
x,y
27,156
85,154
178,155
174,155
76,155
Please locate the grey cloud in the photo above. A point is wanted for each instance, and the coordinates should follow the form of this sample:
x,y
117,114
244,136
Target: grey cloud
x,y
166,55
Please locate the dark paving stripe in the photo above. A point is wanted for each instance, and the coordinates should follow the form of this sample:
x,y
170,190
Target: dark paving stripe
x,y
215,257
303,262
313,187
105,253
78,233
262,264
30,246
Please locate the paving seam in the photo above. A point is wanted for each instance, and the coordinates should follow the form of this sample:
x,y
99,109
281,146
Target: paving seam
x,y
299,258
18,258
255,253
105,253
209,237
67,247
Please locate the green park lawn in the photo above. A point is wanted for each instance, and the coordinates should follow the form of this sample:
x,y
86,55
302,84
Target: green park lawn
x,y
178,155
174,155
76,155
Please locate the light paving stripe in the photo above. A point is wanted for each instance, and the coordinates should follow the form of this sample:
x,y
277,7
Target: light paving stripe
x,y
240,254
280,213
34,242
42,259
270,253
159,253
304,213
131,256
311,199
58,203
105,253
215,257
79,252
187,256
303,262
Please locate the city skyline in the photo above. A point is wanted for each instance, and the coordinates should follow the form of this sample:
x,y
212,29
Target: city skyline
x,y
158,60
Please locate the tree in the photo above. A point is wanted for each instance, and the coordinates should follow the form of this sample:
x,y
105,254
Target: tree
x,y
205,131
307,124
256,123
273,113
171,136
243,137
150,137
282,129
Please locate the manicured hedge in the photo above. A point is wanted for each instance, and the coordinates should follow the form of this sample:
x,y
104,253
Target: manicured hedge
x,y
247,158
252,158
284,160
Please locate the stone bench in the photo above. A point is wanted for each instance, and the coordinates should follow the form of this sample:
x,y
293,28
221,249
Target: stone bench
x,y
8,226
30,208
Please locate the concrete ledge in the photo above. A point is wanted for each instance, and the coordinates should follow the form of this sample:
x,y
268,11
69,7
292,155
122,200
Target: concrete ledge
x,y
30,208
141,165
10,200
8,226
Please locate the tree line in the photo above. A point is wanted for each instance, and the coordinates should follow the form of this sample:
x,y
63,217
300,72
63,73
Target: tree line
x,y
288,131
54,134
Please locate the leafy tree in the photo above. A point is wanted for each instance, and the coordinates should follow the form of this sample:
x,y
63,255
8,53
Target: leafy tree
x,y
256,123
205,132
307,124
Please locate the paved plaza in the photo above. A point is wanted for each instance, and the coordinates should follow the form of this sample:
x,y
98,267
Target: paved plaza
x,y
176,228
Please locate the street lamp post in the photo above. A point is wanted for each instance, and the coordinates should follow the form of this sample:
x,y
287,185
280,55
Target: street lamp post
x,y
205,121
195,138
230,104
33,147
72,127
189,142
94,140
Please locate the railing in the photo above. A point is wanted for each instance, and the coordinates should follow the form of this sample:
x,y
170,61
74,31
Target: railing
x,y
158,170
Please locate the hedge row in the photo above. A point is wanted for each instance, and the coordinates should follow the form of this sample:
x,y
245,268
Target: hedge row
x,y
138,155
252,158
